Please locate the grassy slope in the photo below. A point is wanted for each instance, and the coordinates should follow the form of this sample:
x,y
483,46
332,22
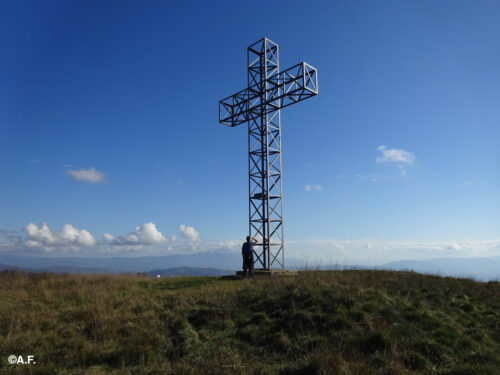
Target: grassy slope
x,y
345,322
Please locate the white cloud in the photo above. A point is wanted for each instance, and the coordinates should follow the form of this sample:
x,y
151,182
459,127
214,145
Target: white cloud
x,y
43,236
189,232
146,234
81,237
394,155
90,175
42,233
107,237
316,187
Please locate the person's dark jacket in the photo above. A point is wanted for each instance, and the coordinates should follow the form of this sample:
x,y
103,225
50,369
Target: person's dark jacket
x,y
247,249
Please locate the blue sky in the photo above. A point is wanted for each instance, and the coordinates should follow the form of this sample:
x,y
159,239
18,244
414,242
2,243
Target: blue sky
x,y
109,122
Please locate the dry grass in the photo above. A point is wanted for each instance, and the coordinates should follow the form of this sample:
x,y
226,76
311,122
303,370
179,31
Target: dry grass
x,y
335,322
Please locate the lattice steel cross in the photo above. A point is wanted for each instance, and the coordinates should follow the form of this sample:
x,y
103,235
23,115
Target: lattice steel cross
x,y
259,105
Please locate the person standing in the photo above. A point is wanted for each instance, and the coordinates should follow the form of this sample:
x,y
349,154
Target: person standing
x,y
247,253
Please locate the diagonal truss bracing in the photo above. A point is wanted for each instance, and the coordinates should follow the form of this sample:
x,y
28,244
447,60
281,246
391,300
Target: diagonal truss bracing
x,y
259,105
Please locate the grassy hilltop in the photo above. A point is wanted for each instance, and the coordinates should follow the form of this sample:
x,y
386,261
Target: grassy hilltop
x,y
336,322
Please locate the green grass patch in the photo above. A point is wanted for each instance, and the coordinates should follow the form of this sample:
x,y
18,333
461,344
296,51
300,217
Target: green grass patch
x,y
318,322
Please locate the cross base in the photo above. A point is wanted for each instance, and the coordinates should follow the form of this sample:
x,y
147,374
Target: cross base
x,y
271,272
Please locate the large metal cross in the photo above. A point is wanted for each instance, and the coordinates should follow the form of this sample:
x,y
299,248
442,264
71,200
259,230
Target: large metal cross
x,y
259,105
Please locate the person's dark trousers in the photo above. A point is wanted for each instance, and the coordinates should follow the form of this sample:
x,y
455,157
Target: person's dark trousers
x,y
248,265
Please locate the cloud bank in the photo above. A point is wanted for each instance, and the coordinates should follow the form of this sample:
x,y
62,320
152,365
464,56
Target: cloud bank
x,y
373,252
69,237
147,239
42,239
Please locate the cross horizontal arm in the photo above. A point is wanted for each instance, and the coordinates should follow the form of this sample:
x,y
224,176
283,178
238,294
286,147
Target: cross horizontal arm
x,y
280,90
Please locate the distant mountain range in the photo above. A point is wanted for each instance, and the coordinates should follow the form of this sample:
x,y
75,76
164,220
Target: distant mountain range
x,y
8,267
59,269
169,272
224,263
218,260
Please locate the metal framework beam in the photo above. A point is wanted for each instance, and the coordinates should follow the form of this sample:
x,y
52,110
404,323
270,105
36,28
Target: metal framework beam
x,y
286,88
259,105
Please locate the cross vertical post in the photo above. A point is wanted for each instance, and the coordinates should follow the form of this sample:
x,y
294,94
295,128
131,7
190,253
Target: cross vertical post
x,y
259,105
